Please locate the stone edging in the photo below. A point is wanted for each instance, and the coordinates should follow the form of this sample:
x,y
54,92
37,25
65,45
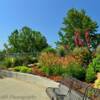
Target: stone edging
x,y
30,78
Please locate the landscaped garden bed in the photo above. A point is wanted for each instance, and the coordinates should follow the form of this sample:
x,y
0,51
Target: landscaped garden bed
x,y
53,66
76,55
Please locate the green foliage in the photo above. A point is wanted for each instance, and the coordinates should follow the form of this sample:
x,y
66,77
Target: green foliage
x,y
83,54
26,40
80,50
2,53
17,69
47,70
61,51
51,64
95,40
90,74
10,62
91,93
76,20
23,69
95,64
59,70
49,50
53,70
93,68
25,60
62,39
19,60
75,70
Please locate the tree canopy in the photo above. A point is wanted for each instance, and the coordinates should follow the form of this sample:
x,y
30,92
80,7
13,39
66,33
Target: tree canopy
x,y
77,29
26,40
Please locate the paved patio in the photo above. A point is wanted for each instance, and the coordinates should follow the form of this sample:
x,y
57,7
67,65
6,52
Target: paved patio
x,y
14,89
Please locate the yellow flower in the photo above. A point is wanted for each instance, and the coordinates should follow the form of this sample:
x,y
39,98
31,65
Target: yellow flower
x,y
97,83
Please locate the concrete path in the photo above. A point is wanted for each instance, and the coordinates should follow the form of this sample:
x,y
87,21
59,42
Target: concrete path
x,y
14,89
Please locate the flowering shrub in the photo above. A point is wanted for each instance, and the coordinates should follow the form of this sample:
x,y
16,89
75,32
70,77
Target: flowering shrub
x,y
50,59
97,83
75,70
52,64
67,60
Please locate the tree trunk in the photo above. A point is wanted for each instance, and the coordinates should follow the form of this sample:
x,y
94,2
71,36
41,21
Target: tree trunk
x,y
77,38
87,38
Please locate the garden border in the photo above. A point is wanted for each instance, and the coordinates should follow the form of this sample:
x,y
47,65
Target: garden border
x,y
34,79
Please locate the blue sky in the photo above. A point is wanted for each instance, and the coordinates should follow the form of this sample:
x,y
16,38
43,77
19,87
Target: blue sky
x,y
45,16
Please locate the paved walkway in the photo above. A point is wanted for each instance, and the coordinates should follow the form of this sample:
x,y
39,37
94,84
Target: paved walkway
x,y
13,89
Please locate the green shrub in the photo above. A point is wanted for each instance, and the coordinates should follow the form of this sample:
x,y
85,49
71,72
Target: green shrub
x,y
90,74
49,50
93,68
58,70
10,62
61,51
19,61
53,70
47,70
75,70
17,69
83,54
25,60
96,64
23,69
29,70
2,57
